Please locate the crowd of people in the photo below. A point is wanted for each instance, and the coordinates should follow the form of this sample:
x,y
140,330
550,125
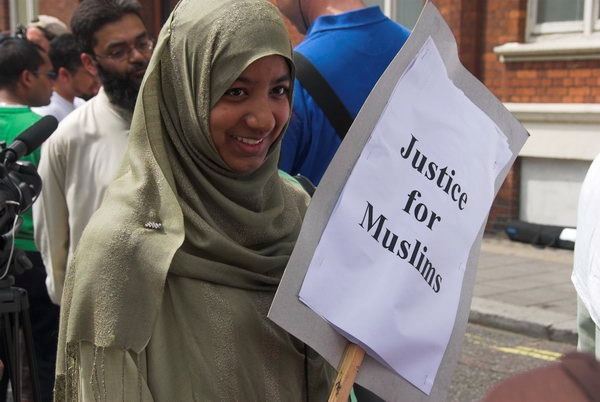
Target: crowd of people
x,y
166,218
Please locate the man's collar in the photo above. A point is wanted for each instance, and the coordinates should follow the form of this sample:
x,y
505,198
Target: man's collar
x,y
12,105
363,16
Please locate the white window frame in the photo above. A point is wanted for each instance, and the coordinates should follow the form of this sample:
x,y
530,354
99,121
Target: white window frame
x,y
390,8
590,25
556,40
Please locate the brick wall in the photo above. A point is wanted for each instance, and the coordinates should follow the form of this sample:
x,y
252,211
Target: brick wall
x,y
4,16
61,9
539,82
536,82
506,204
465,20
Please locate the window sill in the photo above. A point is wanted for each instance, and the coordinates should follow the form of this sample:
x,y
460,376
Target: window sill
x,y
559,130
549,50
580,113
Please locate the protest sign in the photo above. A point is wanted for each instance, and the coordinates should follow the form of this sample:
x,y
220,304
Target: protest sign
x,y
402,228
388,250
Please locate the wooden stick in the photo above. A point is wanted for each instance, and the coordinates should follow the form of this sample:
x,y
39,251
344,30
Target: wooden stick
x,y
347,372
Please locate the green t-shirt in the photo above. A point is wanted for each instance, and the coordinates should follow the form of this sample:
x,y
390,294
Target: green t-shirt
x,y
13,120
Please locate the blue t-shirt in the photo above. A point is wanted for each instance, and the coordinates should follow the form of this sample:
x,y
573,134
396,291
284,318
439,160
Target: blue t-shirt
x,y
351,51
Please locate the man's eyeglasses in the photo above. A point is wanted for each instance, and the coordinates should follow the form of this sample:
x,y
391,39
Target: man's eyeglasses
x,y
124,52
50,74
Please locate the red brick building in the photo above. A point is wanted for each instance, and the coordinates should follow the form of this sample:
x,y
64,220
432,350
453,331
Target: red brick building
x,y
540,57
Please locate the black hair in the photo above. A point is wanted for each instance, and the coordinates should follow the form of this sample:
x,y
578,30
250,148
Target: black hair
x,y
16,56
91,15
64,52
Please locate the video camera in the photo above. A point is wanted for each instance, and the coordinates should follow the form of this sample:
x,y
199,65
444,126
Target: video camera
x,y
20,185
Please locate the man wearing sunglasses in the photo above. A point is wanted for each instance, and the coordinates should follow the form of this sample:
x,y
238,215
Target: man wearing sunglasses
x,y
26,79
81,158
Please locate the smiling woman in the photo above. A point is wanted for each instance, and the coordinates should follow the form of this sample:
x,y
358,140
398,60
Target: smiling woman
x,y
251,115
167,295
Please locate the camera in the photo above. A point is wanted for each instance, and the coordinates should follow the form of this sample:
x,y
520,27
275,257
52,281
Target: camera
x,y
20,185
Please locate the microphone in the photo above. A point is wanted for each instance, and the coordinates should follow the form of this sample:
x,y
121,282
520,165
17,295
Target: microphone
x,y
30,139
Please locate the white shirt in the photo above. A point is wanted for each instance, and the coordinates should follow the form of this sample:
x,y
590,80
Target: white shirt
x,y
78,162
58,107
586,272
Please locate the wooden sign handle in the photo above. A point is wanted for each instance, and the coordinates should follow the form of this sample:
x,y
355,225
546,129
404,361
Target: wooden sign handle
x,y
347,372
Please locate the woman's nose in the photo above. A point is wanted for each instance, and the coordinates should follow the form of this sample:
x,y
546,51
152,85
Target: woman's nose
x,y
261,116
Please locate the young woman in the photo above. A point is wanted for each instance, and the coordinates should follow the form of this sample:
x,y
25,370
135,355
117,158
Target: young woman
x,y
168,292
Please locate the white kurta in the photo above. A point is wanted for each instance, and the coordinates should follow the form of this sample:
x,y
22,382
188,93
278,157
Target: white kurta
x,y
586,272
78,162
59,107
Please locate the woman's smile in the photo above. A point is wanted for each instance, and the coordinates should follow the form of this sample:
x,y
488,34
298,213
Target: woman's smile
x,y
248,141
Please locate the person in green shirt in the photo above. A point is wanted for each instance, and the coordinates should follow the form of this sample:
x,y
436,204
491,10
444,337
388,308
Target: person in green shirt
x,y
26,76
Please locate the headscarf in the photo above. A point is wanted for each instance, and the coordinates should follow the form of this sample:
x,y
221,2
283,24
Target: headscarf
x,y
175,205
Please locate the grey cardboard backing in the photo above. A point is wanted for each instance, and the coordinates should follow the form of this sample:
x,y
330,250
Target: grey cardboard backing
x,y
288,312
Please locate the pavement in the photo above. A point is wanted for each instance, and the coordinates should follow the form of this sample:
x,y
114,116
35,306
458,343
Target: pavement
x,y
524,289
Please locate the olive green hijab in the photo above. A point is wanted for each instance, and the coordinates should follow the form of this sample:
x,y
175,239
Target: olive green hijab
x,y
175,206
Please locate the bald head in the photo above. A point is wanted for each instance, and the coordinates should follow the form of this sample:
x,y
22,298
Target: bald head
x,y
43,29
302,13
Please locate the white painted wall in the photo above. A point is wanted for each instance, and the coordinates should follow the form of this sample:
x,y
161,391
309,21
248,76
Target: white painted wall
x,y
550,190
565,138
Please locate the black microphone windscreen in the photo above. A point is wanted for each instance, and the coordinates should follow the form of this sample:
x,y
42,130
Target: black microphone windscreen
x,y
39,132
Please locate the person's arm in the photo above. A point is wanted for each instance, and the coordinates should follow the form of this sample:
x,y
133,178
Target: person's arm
x,y
51,217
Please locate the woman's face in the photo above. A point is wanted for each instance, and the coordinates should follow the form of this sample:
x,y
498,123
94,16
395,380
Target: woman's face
x,y
251,114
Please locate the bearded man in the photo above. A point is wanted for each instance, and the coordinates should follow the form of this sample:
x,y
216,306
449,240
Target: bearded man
x,y
81,158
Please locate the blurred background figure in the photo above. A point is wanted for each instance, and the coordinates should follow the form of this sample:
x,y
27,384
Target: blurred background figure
x,y
81,158
586,271
575,379
43,29
73,84
26,79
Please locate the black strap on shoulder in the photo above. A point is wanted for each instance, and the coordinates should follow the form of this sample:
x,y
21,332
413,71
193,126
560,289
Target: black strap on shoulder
x,y
306,184
312,80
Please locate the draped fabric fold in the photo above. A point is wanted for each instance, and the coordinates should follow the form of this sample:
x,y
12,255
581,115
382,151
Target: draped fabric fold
x,y
179,231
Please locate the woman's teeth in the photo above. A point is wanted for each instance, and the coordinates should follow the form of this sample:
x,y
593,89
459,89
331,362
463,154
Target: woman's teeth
x,y
249,141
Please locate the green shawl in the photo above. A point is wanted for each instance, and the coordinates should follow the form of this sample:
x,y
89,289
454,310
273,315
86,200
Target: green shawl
x,y
177,210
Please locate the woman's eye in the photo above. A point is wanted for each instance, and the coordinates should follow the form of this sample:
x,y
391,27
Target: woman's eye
x,y
236,92
280,90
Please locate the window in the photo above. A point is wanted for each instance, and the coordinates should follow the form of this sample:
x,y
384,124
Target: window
x,y
548,19
405,12
557,30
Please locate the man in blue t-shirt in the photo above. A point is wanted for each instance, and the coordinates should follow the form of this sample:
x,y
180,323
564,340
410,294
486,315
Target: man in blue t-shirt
x,y
350,45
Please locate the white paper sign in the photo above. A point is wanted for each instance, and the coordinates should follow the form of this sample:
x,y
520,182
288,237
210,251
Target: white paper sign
x,y
389,267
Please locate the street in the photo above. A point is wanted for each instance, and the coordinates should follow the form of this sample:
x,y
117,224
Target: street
x,y
490,355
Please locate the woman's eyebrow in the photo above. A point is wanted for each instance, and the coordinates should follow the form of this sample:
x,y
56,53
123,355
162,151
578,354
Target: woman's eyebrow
x,y
283,78
246,80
